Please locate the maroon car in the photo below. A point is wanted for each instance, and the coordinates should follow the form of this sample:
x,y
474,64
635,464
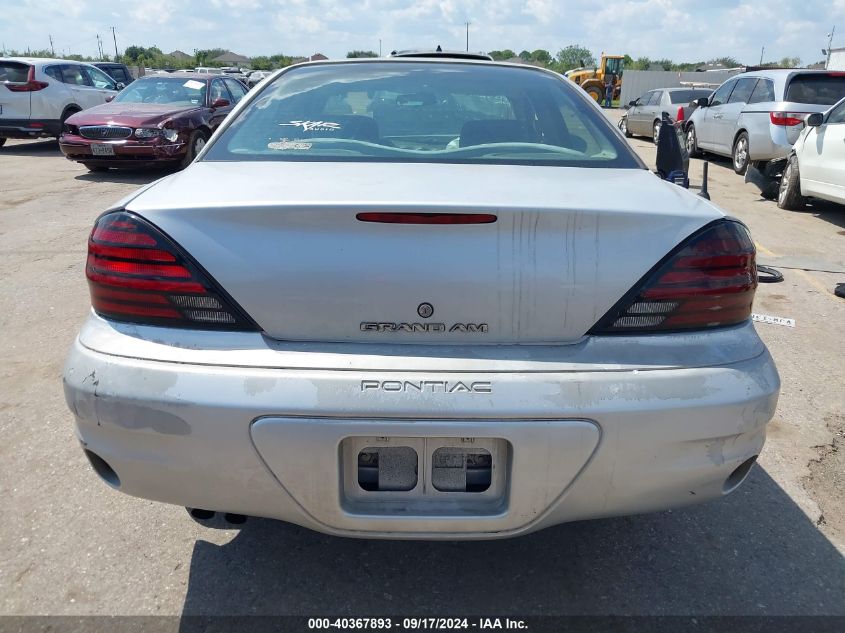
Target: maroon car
x,y
156,120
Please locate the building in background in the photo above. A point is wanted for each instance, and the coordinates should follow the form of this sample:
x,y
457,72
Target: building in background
x,y
231,59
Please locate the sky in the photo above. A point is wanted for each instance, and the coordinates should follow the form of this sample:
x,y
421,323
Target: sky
x,y
681,30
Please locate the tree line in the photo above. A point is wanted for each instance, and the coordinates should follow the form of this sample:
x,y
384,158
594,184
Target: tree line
x,y
572,56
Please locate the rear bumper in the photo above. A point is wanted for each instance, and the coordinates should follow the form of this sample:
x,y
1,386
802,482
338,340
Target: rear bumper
x,y
127,152
769,142
29,128
269,441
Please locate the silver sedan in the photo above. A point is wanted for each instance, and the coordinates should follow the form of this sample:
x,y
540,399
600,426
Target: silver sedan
x,y
420,298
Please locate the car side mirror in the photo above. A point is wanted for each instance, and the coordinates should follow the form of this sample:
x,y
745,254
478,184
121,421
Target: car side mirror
x,y
109,98
632,103
120,85
814,120
220,103
703,102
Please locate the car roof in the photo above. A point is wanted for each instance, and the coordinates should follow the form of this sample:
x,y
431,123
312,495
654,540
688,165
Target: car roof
x,y
441,54
181,75
44,60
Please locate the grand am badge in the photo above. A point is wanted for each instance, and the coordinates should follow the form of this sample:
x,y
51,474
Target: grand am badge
x,y
416,328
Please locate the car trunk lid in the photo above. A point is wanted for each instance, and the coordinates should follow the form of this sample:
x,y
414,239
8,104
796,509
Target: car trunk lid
x,y
565,245
14,105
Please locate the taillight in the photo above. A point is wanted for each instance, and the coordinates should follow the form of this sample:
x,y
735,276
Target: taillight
x,y
135,273
708,281
787,119
30,85
680,115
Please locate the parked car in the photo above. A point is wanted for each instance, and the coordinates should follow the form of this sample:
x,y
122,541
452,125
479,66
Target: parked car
x,y
755,117
816,166
119,72
644,115
235,73
38,95
205,70
257,76
376,322
158,120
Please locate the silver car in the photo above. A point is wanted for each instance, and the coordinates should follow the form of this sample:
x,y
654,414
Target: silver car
x,y
644,116
756,117
419,298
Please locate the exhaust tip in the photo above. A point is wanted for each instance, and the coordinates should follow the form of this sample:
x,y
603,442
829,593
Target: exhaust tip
x,y
234,519
201,515
738,475
102,468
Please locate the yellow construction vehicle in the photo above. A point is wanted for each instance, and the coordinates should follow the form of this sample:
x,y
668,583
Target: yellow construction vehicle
x,y
593,79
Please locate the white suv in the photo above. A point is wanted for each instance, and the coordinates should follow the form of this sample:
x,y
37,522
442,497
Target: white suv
x,y
37,95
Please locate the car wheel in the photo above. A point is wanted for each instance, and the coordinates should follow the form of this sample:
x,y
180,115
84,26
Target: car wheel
x,y
623,125
195,145
655,130
2,141
65,116
740,153
692,142
789,194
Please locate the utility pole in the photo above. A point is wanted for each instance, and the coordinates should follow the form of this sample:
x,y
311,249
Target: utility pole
x,y
467,24
829,44
52,50
99,47
762,50
379,47
115,44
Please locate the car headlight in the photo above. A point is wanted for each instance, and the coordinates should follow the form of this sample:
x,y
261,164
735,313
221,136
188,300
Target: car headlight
x,y
170,135
147,132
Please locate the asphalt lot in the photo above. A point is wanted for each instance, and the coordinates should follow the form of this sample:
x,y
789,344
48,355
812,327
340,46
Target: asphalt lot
x,y
71,545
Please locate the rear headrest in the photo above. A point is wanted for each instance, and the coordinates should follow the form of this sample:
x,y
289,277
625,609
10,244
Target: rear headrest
x,y
496,131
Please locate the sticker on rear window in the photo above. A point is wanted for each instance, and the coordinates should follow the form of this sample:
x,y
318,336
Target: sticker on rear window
x,y
313,126
193,84
286,144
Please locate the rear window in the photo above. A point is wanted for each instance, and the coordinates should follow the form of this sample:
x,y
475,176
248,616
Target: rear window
x,y
14,72
179,92
410,111
688,96
820,89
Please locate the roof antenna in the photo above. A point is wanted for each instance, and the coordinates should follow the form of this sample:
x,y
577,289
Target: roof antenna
x,y
439,50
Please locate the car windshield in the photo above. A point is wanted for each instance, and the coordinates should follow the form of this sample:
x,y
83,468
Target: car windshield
x,y
688,96
411,111
171,90
820,88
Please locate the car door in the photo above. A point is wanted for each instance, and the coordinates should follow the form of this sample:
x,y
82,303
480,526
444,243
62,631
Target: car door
x,y
821,158
102,83
217,91
705,126
724,127
236,89
84,93
652,111
636,118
